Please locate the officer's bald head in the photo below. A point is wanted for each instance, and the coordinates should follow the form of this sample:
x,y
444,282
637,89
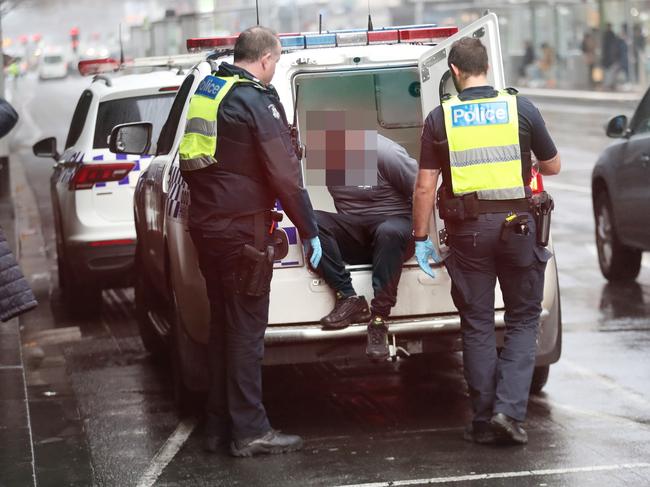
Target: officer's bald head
x,y
254,43
469,56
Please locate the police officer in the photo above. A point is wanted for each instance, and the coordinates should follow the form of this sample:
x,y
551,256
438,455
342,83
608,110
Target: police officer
x,y
482,142
237,158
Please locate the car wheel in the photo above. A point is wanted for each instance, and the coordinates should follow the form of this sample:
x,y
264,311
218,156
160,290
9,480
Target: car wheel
x,y
617,261
144,305
186,401
80,299
540,377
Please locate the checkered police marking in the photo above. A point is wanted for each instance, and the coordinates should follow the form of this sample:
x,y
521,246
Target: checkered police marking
x,y
480,114
210,87
178,197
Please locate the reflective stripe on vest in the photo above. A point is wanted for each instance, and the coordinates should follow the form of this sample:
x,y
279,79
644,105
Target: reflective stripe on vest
x,y
484,151
199,143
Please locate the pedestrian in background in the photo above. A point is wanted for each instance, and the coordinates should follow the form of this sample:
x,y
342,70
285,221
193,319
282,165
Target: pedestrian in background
x,y
527,60
638,44
233,187
610,58
479,201
588,47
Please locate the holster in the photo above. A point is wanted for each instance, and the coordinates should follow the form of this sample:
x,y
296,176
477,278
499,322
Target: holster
x,y
543,206
255,269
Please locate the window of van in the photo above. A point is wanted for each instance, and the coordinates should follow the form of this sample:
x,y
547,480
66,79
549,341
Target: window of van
x,y
154,109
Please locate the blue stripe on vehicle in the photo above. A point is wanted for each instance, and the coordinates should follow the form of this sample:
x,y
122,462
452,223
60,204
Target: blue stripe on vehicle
x,y
100,185
293,262
136,166
177,209
98,158
124,181
121,157
292,235
278,205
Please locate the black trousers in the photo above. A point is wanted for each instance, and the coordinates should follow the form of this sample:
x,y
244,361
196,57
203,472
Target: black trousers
x,y
237,326
497,384
383,241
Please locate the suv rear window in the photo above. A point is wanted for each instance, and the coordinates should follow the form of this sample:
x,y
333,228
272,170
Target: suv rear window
x,y
79,118
152,109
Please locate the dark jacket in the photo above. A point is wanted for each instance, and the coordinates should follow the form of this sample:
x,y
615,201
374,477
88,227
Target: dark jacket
x,y
16,296
392,194
256,162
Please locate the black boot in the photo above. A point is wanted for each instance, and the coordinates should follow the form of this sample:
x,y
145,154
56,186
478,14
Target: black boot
x,y
508,430
377,348
353,309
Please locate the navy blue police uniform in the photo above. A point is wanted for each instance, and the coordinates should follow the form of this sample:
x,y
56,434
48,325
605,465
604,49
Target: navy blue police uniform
x,y
230,206
478,257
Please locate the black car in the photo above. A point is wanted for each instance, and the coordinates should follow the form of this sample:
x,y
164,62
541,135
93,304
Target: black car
x,y
621,195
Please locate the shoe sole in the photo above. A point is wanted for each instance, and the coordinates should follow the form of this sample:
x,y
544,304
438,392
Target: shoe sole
x,y
258,449
506,434
341,325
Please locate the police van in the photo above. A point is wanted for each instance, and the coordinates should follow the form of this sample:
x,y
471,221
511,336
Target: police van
x,y
398,75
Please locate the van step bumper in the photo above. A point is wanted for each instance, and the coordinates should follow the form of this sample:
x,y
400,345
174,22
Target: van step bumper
x,y
276,335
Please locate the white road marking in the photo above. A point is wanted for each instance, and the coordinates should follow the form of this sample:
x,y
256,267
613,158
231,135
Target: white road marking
x,y
504,475
167,452
567,187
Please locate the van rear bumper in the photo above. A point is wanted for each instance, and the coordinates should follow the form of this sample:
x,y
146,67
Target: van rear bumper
x,y
281,335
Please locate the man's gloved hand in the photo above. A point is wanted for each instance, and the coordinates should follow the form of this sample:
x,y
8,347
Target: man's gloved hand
x,y
424,250
313,245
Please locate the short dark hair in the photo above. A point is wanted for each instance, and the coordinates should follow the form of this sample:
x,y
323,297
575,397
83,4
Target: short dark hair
x,y
254,43
469,56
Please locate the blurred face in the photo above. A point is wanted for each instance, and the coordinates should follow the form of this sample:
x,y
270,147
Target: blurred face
x,y
269,61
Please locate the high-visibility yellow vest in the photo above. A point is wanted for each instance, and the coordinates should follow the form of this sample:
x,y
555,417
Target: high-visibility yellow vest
x,y
199,143
484,151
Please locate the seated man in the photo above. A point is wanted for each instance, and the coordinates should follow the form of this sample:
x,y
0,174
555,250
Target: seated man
x,y
373,225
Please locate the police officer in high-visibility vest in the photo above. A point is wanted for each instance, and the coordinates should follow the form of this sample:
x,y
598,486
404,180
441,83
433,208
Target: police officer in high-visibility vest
x,y
481,141
237,158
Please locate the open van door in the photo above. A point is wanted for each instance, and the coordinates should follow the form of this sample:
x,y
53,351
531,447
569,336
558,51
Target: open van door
x,y
435,78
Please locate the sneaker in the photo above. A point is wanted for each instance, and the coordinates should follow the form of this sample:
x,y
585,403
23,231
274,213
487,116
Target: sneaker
x,y
508,430
479,432
271,443
377,348
353,309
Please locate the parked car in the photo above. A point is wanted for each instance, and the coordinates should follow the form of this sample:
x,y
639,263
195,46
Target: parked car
x,y
620,189
399,75
52,66
92,188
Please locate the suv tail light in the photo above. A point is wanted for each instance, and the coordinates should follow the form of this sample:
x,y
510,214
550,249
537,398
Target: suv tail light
x,y
88,174
536,181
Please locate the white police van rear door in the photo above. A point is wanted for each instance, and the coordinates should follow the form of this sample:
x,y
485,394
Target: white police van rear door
x,y
435,78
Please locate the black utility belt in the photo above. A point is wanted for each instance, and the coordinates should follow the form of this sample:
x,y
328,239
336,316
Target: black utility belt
x,y
469,207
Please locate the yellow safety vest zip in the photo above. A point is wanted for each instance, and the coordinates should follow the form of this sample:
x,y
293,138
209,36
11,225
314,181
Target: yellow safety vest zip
x,y
199,143
484,151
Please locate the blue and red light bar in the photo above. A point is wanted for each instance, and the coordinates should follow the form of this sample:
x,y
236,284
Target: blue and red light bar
x,y
411,34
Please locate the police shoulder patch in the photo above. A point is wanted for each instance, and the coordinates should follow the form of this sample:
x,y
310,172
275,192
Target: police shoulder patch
x,y
274,111
210,87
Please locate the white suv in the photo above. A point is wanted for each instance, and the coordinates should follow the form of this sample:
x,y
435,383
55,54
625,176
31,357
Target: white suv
x,y
92,188
398,75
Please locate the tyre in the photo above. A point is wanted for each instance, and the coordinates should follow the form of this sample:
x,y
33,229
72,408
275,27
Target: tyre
x,y
80,299
187,401
540,377
617,261
145,300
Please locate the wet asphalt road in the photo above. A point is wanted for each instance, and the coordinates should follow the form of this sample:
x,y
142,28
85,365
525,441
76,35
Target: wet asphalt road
x,y
101,411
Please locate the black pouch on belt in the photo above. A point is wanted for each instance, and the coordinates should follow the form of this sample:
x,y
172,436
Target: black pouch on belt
x,y
543,206
255,266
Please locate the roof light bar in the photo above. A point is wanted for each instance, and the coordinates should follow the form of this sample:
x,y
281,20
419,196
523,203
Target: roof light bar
x,y
359,38
205,43
383,37
430,35
290,43
97,66
320,40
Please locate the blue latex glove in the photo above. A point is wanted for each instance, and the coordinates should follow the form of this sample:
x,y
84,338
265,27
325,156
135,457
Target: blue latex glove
x,y
313,245
423,251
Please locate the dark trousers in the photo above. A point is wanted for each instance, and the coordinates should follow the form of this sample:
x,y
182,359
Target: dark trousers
x,y
497,384
237,326
383,241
